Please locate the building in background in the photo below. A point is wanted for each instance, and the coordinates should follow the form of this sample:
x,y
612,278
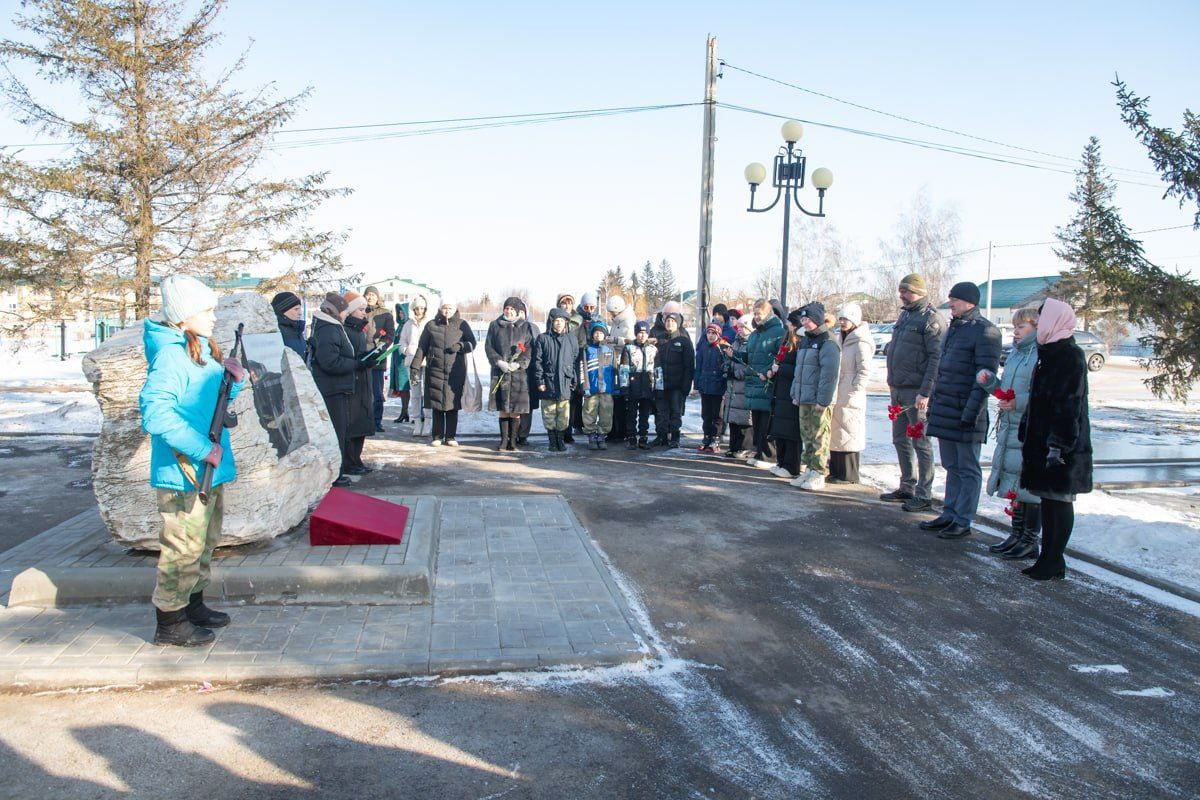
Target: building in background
x,y
400,290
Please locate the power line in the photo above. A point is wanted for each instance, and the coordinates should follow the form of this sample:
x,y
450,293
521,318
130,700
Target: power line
x,y
928,145
916,121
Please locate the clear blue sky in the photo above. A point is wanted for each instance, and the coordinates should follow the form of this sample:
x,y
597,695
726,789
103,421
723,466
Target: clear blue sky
x,y
550,207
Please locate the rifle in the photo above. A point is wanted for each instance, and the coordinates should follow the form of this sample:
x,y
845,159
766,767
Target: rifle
x,y
221,416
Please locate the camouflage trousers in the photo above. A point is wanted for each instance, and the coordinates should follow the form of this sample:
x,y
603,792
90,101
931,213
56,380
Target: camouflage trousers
x,y
556,414
190,531
597,414
814,438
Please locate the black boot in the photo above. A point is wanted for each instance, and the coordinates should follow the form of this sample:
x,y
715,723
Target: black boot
x,y
673,442
643,443
200,614
514,427
660,440
503,444
1018,529
1049,564
175,629
553,437
1028,547
631,444
567,437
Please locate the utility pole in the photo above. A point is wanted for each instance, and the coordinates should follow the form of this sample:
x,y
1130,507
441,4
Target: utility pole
x,y
989,282
706,186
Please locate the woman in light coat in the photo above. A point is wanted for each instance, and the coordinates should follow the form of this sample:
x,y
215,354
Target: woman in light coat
x,y
410,337
848,438
1006,460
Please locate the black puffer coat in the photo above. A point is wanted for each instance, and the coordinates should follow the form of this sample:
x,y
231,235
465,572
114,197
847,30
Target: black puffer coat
x,y
442,351
785,417
362,404
507,341
556,361
331,356
1057,416
958,407
677,357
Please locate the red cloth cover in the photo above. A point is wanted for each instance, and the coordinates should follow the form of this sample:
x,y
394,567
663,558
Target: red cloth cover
x,y
345,517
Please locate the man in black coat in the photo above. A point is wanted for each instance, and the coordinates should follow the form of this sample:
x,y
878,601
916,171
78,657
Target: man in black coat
x,y
958,409
912,366
381,328
677,359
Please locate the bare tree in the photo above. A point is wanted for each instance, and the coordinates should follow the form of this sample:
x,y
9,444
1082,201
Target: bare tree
x,y
926,240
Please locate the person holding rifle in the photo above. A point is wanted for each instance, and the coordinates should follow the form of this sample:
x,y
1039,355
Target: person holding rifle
x,y
183,389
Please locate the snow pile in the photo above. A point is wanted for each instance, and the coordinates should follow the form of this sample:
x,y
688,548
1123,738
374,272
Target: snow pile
x,y
1152,539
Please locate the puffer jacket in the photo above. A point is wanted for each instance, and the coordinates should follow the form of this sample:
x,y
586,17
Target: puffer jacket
x,y
362,402
177,403
1057,416
410,334
817,363
735,372
638,365
848,428
505,341
677,357
710,368
621,330
331,356
556,361
1005,476
292,331
958,407
597,369
442,352
760,355
916,347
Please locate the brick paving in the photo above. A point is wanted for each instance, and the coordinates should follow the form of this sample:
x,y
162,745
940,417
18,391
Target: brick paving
x,y
519,584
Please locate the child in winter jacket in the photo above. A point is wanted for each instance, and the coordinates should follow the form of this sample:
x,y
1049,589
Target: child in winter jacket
x,y
639,379
556,374
818,361
711,383
598,377
677,360
741,438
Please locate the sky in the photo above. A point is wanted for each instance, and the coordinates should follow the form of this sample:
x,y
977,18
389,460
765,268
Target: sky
x,y
550,207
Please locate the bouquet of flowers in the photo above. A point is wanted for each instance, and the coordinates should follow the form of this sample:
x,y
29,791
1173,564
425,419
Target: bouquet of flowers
x,y
915,431
1011,497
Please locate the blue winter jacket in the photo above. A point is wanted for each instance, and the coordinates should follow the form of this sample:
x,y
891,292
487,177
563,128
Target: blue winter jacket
x,y
598,369
710,368
177,403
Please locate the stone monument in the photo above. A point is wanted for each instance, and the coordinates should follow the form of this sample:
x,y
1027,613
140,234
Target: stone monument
x,y
284,444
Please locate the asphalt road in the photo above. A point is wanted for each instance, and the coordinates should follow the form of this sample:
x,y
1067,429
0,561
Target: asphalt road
x,y
44,480
811,646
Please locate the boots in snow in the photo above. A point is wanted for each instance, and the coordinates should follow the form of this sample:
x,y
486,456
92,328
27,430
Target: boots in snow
x,y
1018,528
1027,547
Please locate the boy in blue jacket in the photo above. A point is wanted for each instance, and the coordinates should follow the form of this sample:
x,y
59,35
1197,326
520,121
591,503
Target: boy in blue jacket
x,y
711,383
598,376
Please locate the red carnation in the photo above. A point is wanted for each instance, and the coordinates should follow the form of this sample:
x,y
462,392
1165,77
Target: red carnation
x,y
1005,394
1012,495
915,431
894,412
521,347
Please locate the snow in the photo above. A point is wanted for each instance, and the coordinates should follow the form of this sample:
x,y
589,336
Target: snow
x,y
1154,691
1111,669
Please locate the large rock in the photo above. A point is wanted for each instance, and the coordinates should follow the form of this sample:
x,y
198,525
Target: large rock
x,y
285,446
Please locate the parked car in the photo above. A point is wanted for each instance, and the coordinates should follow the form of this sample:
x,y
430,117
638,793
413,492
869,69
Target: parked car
x,y
881,332
1093,347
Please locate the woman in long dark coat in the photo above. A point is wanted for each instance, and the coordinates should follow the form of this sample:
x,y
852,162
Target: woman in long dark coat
x,y
442,353
509,346
1056,435
785,417
362,402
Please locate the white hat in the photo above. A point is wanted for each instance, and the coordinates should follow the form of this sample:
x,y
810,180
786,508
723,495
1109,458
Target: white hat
x,y
616,304
852,312
588,299
183,296
358,303
447,300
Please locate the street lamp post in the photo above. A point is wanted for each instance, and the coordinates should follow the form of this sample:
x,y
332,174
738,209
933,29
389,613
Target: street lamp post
x,y
788,180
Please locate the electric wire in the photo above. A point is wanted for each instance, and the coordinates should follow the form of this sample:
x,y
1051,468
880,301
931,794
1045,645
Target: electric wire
x,y
903,118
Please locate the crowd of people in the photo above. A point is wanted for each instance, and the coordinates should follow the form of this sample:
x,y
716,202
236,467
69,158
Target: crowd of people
x,y
788,388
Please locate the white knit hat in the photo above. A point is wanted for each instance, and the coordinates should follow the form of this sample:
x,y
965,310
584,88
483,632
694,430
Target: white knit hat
x,y
183,296
616,304
852,312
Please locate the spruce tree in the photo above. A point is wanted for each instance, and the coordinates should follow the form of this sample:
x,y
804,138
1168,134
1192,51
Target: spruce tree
x,y
665,276
162,177
1166,305
650,286
1095,243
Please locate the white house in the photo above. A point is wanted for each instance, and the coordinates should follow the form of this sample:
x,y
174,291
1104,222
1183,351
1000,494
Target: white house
x,y
401,290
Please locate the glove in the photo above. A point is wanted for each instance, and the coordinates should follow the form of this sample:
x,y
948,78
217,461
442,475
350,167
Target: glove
x,y
1054,458
213,459
235,369
821,409
504,366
